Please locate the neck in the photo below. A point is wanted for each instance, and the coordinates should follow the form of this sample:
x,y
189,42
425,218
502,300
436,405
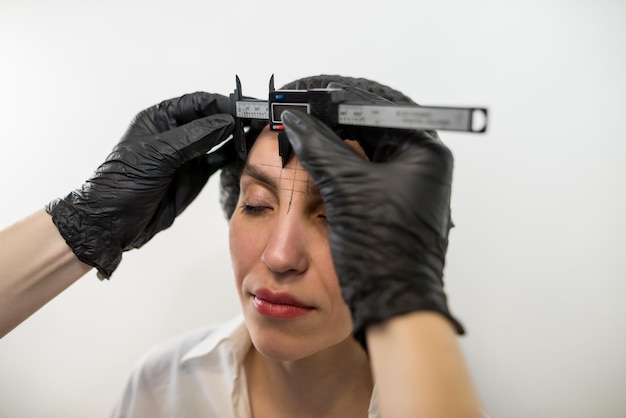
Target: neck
x,y
334,382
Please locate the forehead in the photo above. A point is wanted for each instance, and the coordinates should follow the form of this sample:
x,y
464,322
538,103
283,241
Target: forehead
x,y
265,164
265,149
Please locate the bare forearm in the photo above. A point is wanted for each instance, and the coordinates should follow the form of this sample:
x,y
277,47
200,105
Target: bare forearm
x,y
36,265
419,369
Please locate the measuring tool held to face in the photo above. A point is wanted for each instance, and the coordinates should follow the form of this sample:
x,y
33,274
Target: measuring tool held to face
x,y
337,108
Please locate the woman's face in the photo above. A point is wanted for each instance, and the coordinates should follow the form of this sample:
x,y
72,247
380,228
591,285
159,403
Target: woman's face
x,y
279,248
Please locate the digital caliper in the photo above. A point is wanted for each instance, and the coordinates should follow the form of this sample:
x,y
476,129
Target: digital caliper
x,y
334,107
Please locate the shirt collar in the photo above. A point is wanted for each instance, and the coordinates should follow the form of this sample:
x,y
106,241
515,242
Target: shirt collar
x,y
233,331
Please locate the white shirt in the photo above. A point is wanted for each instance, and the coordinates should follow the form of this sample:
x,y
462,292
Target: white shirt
x,y
200,374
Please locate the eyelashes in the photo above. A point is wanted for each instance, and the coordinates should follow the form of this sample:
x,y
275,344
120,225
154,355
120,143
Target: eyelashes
x,y
254,210
251,210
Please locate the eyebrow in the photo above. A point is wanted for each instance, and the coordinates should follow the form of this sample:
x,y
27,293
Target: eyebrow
x,y
260,175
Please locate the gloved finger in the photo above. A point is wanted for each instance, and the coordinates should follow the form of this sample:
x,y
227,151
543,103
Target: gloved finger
x,y
358,94
178,111
368,137
429,157
319,149
225,154
388,144
196,105
204,166
200,136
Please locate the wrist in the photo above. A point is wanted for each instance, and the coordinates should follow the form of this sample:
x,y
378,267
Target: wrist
x,y
91,242
397,299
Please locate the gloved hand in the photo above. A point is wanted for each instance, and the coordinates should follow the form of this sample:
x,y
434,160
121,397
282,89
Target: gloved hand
x,y
388,219
154,172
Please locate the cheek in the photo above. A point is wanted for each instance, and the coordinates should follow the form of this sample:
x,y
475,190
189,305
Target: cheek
x,y
243,250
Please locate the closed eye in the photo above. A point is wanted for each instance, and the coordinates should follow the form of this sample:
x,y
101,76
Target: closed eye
x,y
254,210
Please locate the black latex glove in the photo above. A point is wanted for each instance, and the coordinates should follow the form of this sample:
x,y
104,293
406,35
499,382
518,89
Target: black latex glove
x,y
154,172
388,220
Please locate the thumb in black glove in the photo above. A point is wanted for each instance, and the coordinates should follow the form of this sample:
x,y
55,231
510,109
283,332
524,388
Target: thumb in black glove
x,y
388,220
154,172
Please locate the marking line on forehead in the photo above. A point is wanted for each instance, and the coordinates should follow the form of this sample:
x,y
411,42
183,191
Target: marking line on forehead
x,y
280,182
293,184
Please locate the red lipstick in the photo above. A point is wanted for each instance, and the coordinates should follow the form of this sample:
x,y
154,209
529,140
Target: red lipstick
x,y
279,305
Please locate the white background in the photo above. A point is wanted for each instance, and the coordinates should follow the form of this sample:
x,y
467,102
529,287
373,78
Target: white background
x,y
536,262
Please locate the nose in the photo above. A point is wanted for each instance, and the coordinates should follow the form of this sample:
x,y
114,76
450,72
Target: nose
x,y
285,251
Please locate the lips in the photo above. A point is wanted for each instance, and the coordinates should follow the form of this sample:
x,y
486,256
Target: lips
x,y
279,305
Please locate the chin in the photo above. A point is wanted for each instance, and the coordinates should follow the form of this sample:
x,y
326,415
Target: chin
x,y
280,347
